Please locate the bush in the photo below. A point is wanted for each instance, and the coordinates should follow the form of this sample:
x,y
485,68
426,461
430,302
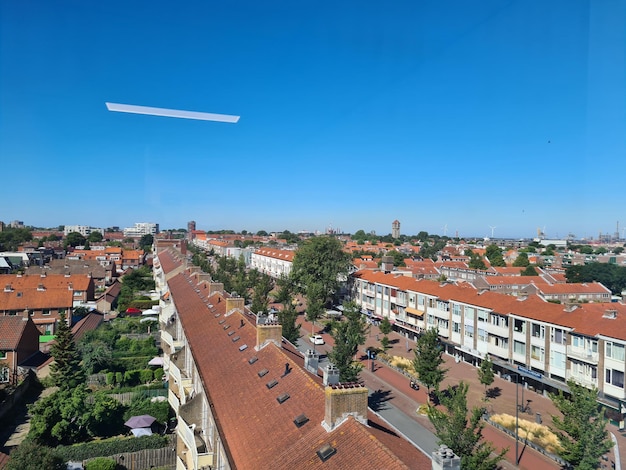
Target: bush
x,y
119,378
159,373
146,376
131,377
110,378
106,447
32,456
101,463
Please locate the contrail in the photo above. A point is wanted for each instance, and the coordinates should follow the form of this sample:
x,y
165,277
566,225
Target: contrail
x,y
175,113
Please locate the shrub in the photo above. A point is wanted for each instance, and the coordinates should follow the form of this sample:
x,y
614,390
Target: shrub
x,y
106,447
119,378
110,378
131,377
534,432
101,463
159,373
146,375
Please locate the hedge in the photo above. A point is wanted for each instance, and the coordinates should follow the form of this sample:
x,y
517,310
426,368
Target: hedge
x,y
106,447
101,463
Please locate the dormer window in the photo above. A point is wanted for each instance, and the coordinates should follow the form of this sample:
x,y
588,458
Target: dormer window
x,y
8,288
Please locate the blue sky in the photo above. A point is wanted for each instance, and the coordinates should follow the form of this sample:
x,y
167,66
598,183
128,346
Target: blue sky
x,y
437,113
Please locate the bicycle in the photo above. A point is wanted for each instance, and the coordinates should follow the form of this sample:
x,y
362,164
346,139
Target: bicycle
x,y
525,408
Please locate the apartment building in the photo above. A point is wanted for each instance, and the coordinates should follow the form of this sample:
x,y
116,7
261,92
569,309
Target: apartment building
x,y
544,342
140,229
242,396
275,263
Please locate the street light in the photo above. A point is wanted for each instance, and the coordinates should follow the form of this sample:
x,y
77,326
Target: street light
x,y
517,379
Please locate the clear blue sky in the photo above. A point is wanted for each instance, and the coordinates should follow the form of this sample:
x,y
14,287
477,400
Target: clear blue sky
x,y
437,113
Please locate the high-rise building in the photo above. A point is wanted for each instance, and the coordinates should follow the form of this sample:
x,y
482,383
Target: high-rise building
x,y
140,229
191,226
395,229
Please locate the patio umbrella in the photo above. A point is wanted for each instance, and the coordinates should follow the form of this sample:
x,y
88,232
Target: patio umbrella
x,y
143,421
156,361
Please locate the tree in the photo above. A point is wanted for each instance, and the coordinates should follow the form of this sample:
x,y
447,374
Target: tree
x,y
522,260
30,455
320,261
95,236
348,335
385,329
74,239
529,271
398,258
494,255
146,241
66,371
581,429
97,355
428,360
260,298
485,372
476,262
461,430
287,318
105,416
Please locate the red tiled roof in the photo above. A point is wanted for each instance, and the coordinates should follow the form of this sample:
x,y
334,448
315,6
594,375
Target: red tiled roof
x,y
246,409
286,255
11,330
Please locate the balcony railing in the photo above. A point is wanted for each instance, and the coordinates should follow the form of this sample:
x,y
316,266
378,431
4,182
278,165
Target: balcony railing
x,y
585,355
583,380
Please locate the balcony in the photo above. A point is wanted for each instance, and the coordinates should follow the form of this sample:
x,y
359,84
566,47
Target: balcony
x,y
192,449
501,331
585,355
498,351
584,380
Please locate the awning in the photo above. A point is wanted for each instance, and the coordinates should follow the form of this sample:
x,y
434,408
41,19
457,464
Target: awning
x,y
413,311
166,295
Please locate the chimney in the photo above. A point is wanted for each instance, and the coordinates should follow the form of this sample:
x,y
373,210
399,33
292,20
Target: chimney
x,y
215,287
234,304
25,314
444,458
386,264
342,401
331,375
311,361
268,331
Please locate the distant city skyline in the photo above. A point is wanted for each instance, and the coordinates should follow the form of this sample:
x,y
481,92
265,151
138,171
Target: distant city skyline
x,y
450,116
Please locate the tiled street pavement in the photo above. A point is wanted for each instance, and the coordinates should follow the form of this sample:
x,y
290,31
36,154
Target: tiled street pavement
x,y
398,392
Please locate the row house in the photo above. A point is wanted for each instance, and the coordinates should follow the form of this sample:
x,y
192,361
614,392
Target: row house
x,y
45,297
233,387
19,341
543,342
275,263
102,275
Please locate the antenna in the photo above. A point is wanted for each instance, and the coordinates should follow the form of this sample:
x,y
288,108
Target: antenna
x,y
492,229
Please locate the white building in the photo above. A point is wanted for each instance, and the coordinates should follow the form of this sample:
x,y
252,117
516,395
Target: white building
x,y
140,229
272,262
84,230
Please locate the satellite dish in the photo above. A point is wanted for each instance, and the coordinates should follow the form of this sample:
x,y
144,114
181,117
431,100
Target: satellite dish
x,y
175,113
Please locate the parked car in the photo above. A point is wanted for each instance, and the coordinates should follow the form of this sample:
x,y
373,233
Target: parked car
x,y
317,339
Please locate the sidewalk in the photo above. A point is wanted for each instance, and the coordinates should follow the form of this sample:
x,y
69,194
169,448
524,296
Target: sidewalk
x,y
401,396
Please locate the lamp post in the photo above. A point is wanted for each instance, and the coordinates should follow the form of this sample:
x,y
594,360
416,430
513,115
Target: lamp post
x,y
517,378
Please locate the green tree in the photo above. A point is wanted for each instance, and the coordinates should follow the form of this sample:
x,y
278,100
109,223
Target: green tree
x,y
429,359
60,418
529,271
95,237
320,261
96,355
104,416
618,250
522,260
485,372
30,455
581,429
461,430
385,329
260,297
74,239
494,255
287,318
145,242
12,238
348,335
398,258
66,371
476,262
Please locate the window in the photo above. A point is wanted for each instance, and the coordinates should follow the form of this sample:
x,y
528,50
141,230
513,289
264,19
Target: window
x,y
557,359
558,336
519,326
615,351
456,327
615,377
469,313
537,353
469,331
4,375
482,316
537,331
420,300
3,355
482,335
46,311
519,348
386,290
456,310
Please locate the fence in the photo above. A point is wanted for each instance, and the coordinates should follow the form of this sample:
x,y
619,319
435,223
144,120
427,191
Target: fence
x,y
165,457
126,397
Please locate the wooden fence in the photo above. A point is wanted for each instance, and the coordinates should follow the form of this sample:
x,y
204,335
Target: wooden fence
x,y
126,397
